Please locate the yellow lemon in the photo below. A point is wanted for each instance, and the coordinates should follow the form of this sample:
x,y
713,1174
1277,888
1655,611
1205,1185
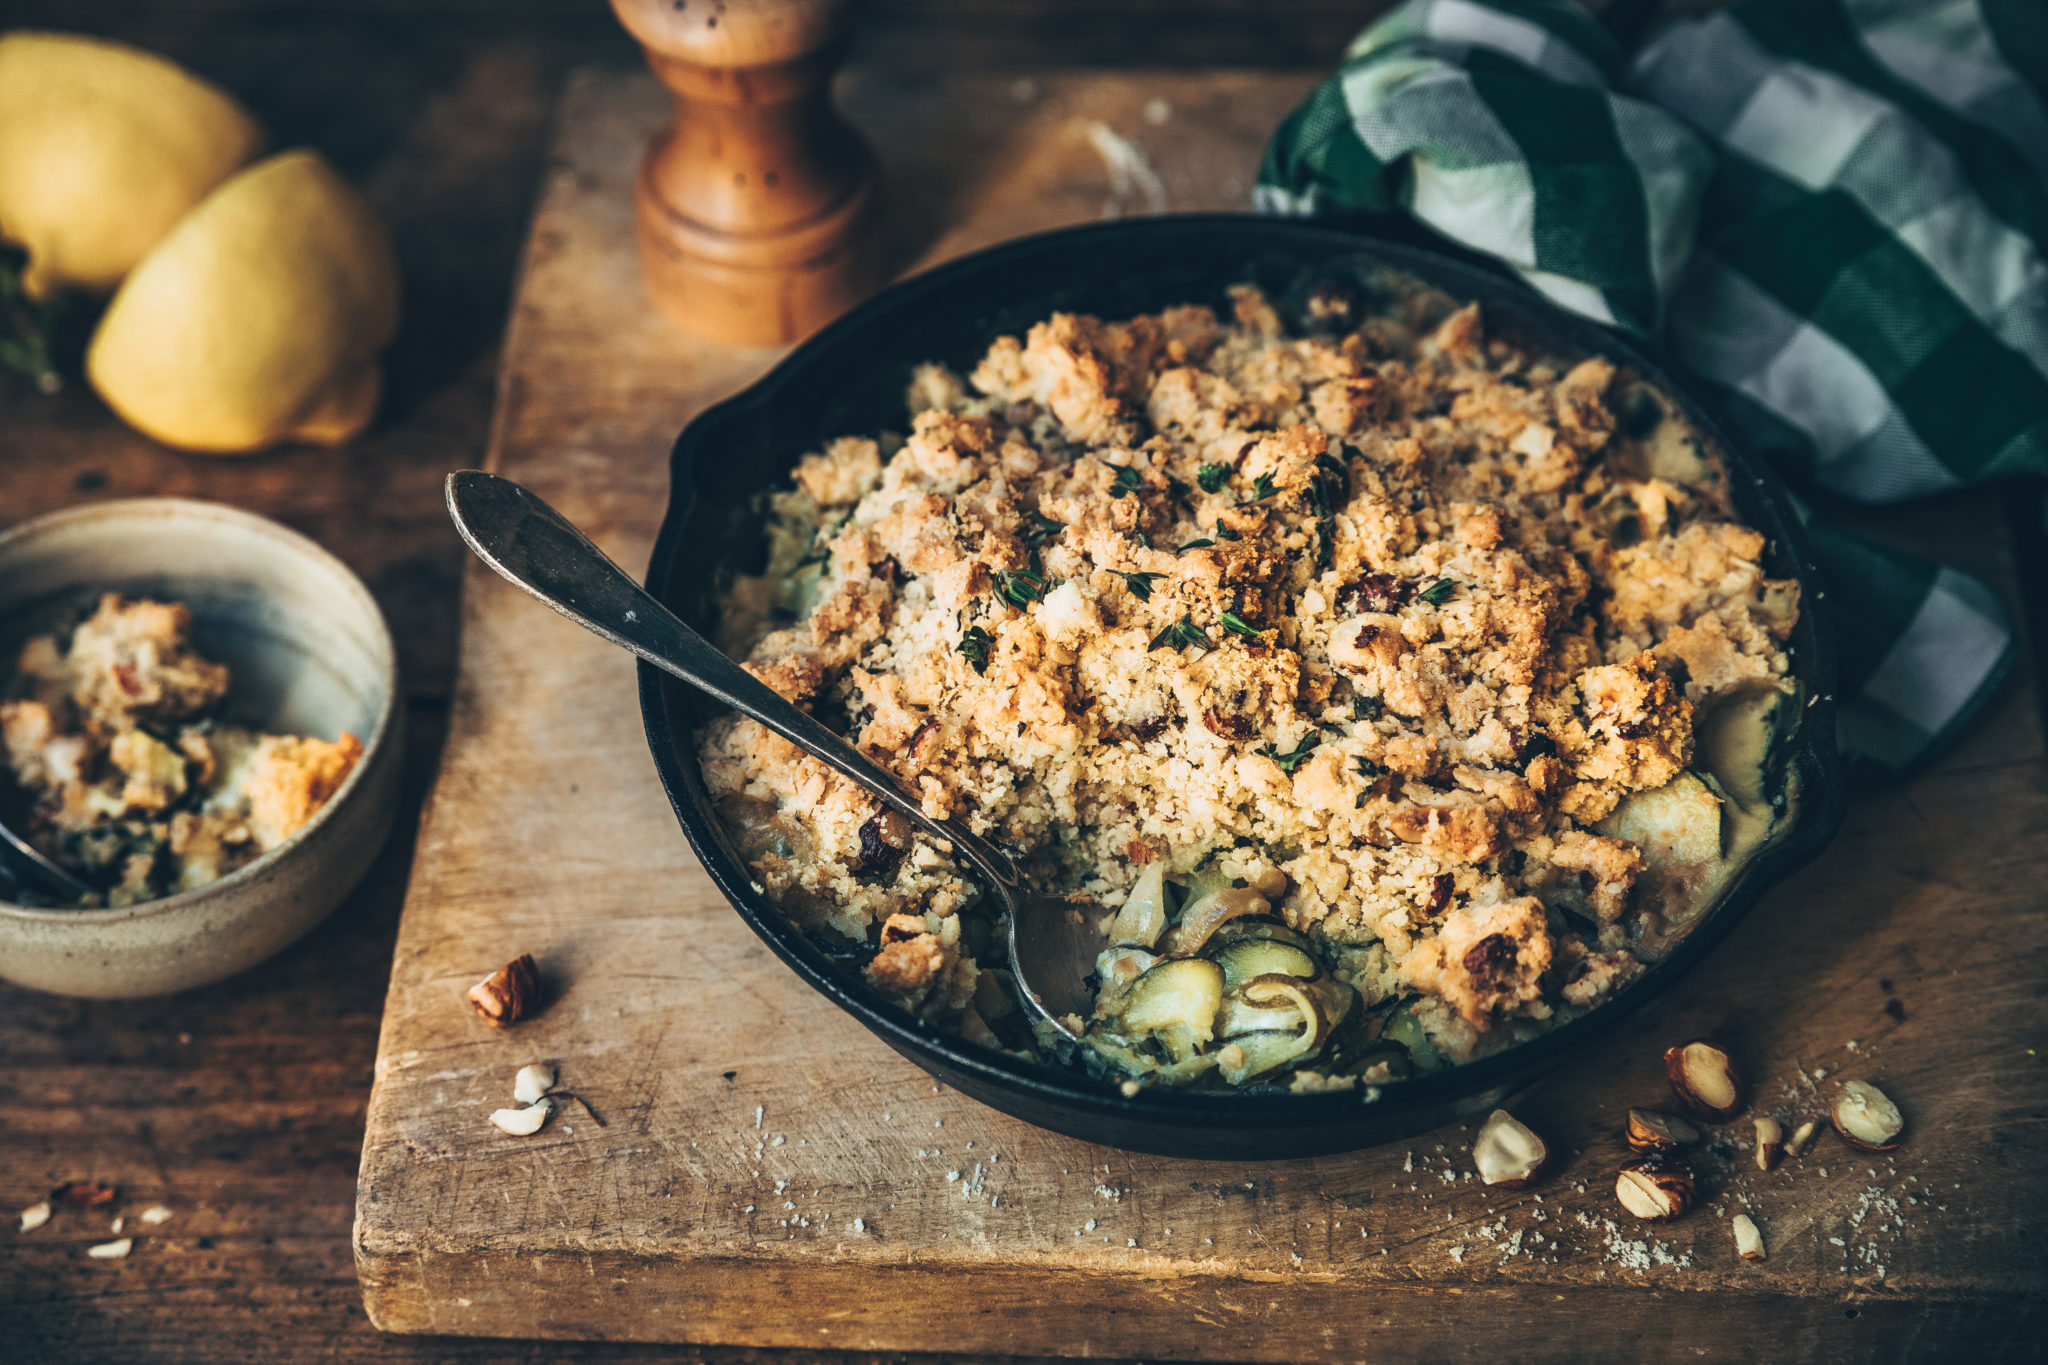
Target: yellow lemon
x,y
258,319
102,148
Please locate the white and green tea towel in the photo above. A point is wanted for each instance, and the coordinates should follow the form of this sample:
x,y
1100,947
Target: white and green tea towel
x,y
1833,211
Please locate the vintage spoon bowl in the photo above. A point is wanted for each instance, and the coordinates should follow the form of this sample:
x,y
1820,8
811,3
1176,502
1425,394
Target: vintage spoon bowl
x,y
1052,945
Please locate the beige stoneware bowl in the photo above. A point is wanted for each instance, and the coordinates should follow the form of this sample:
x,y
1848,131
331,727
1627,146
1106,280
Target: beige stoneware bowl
x,y
310,654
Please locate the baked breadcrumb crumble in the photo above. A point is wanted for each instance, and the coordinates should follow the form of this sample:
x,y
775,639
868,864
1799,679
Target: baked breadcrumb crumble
x,y
1398,688
136,785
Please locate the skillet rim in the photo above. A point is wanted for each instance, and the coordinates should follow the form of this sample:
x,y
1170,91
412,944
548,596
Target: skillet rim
x,y
1321,1115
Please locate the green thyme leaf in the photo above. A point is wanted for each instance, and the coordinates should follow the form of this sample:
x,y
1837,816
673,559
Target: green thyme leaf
x,y
1020,587
1140,584
1127,481
1365,708
1290,761
1319,495
1142,539
975,645
1367,768
1182,634
1042,529
1224,532
1439,592
1237,624
1262,488
1212,477
1359,804
1195,544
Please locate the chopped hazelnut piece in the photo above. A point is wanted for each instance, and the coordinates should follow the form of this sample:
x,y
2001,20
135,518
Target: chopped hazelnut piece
x,y
1651,1130
1655,1190
1507,1152
534,1080
523,1122
35,1215
1770,1143
1705,1080
1749,1243
507,994
1801,1135
1866,1118
111,1251
82,1194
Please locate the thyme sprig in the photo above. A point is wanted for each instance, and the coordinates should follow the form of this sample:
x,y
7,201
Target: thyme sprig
x,y
975,645
1298,755
25,327
1140,584
1182,634
1021,587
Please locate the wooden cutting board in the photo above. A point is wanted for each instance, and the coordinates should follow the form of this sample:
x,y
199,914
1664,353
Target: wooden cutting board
x,y
770,1174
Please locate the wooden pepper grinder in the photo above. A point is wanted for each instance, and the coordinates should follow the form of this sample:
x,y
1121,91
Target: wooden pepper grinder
x,y
759,210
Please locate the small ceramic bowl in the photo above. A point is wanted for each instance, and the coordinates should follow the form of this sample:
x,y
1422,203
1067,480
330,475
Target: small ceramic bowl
x,y
309,653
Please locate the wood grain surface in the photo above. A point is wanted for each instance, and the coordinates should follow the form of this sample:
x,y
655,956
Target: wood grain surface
x,y
749,1124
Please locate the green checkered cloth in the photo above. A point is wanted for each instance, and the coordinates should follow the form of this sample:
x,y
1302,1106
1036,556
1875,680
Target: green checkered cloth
x,y
1833,211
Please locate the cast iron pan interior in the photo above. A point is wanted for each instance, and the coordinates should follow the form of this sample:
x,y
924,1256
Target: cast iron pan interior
x,y
850,379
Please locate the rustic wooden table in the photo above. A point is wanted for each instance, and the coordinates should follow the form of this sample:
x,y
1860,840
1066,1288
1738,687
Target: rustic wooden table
x,y
242,1106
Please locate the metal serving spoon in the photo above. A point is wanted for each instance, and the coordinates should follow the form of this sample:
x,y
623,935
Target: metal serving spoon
x,y
1053,944
26,864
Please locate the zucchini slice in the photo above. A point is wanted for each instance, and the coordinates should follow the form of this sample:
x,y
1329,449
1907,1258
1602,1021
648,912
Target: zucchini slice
x,y
1143,917
1244,958
1176,1002
1252,1056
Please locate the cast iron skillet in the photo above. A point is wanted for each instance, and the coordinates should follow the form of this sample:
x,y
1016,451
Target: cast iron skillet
x,y
851,378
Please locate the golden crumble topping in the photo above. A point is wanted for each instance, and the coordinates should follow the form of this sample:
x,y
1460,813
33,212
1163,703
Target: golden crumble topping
x,y
1406,637
135,785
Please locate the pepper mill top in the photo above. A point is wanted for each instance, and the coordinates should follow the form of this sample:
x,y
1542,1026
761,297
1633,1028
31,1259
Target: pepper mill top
x,y
729,33
758,210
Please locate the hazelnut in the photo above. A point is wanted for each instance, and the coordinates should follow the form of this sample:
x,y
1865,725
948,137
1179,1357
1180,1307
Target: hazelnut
x,y
1507,1152
1705,1080
1801,1135
507,994
1655,1190
83,1194
523,1122
1770,1143
534,1080
1866,1118
1749,1243
1651,1130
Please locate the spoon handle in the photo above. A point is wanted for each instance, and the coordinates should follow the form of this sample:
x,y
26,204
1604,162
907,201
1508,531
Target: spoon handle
x,y
538,549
